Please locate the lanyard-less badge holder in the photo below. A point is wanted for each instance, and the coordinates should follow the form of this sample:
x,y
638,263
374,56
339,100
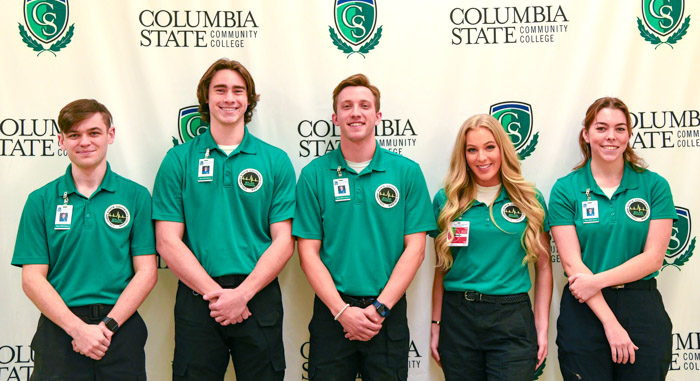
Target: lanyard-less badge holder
x,y
205,172
341,187
460,231
589,210
64,214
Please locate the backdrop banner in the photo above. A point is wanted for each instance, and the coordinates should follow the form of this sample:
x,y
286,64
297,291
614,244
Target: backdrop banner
x,y
535,65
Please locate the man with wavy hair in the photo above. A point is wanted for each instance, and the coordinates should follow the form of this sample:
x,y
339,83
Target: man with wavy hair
x,y
361,219
223,204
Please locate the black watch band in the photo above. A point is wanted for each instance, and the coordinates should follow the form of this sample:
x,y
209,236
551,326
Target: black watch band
x,y
111,324
382,310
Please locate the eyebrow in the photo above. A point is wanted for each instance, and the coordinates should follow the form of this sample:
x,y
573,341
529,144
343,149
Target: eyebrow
x,y
222,85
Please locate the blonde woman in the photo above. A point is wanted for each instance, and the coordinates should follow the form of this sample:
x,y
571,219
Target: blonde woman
x,y
611,220
491,225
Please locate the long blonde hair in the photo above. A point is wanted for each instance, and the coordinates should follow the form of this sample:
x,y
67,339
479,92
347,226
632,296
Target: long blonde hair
x,y
460,191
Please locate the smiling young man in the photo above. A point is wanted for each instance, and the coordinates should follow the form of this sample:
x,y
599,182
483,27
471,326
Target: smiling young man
x,y
361,219
87,251
223,204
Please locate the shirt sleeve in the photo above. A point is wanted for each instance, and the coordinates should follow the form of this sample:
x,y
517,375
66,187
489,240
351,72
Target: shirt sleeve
x,y
438,203
307,216
419,215
562,209
662,205
282,205
31,246
142,234
540,199
167,190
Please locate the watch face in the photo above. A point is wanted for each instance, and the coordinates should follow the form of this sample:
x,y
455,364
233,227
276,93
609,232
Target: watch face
x,y
382,310
111,324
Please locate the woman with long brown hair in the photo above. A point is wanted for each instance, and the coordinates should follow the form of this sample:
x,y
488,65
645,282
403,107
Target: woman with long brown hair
x,y
611,220
491,225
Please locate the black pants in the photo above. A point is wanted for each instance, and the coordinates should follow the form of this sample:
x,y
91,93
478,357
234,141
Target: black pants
x,y
55,360
332,357
584,351
203,346
487,341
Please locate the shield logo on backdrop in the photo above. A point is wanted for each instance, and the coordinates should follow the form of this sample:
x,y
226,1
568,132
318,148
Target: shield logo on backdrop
x,y
516,119
680,233
46,19
662,17
191,123
355,19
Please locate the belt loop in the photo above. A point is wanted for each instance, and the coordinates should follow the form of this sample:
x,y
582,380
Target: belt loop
x,y
94,311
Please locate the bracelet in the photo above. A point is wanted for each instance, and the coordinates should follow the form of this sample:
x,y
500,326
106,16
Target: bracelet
x,y
341,311
435,322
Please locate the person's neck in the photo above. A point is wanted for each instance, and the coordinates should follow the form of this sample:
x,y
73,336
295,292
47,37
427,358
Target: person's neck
x,y
358,152
227,135
607,174
88,179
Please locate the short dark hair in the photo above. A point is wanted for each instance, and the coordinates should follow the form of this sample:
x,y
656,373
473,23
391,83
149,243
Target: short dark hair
x,y
79,110
205,81
356,80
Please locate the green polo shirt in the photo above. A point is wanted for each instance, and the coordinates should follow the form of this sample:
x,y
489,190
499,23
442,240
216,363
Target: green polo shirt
x,y
621,232
492,262
227,220
362,238
91,261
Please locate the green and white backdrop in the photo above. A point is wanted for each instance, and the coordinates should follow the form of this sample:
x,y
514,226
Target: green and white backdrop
x,y
536,65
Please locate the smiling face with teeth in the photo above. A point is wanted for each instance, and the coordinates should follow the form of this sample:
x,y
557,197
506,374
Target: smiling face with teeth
x,y
356,114
608,136
227,99
483,156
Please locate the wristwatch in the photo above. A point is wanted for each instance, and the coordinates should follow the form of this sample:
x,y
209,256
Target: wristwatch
x,y
111,324
382,310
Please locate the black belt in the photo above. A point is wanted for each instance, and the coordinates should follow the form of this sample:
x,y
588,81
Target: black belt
x,y
642,284
473,296
230,281
92,311
358,301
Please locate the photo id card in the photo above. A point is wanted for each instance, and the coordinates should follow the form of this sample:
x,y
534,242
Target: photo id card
x,y
341,189
590,212
64,215
460,231
206,170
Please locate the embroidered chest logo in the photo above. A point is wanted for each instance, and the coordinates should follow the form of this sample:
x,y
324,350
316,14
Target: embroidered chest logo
x,y
250,180
117,216
387,195
637,209
512,213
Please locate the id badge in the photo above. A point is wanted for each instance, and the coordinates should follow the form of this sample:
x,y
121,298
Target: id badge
x,y
341,189
460,230
590,212
64,215
206,170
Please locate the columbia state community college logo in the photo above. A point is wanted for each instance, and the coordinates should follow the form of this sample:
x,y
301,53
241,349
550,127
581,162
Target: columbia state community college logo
x,y
681,247
355,21
190,124
46,22
663,18
516,119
